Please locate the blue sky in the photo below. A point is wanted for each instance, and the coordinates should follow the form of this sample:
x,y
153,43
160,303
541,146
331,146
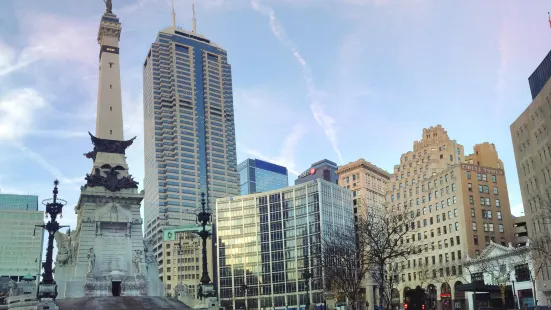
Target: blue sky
x,y
313,79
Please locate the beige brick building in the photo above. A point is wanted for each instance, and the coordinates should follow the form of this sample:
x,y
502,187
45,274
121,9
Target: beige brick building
x,y
460,204
182,263
369,185
367,182
532,147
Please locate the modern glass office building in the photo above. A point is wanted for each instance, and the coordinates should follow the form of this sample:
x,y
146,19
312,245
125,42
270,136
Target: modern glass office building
x,y
189,129
258,176
323,169
20,253
266,240
18,202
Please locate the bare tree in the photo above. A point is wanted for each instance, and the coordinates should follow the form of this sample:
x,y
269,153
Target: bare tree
x,y
343,257
388,244
374,249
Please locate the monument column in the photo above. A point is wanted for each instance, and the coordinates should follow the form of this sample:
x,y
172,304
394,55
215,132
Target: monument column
x,y
109,124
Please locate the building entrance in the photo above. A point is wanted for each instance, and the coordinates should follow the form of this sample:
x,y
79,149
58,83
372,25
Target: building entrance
x,y
116,288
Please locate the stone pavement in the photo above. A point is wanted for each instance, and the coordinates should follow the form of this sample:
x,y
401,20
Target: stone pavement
x,y
121,302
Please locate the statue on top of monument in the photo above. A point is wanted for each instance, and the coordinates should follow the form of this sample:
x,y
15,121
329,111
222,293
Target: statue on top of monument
x,y
91,260
108,6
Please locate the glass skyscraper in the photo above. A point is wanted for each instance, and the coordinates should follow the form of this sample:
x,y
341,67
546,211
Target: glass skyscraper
x,y
266,240
20,253
189,129
256,176
18,202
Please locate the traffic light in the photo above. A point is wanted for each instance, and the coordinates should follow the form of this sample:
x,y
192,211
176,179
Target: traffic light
x,y
422,307
406,306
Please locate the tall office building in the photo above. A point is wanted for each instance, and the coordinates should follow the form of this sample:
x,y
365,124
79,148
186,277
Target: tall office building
x,y
267,241
323,169
461,203
20,247
258,176
532,147
189,129
367,182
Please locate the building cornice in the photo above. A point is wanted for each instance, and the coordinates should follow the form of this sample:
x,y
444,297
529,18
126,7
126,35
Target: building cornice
x,y
362,163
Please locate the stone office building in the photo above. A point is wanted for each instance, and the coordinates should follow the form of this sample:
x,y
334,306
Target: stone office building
x,y
532,147
460,203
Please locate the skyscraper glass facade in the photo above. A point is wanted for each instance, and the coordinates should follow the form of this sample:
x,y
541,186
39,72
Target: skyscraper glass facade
x,y
266,240
189,129
20,253
18,202
258,176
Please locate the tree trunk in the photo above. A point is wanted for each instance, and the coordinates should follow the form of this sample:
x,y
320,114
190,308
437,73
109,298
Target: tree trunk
x,y
382,284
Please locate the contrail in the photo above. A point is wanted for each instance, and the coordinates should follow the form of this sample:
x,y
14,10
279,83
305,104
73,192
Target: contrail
x,y
326,122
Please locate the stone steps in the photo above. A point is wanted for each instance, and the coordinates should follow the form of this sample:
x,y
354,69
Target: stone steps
x,y
122,302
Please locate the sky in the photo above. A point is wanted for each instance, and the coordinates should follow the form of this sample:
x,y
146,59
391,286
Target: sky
x,y
312,79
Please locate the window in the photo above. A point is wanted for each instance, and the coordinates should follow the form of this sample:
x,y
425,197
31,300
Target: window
x,y
487,201
110,132
480,188
475,240
495,190
471,200
110,108
472,212
494,179
485,177
489,214
482,201
453,187
468,175
500,227
474,226
470,187
497,203
499,215
111,65
455,212
486,189
454,200
456,227
479,177
449,202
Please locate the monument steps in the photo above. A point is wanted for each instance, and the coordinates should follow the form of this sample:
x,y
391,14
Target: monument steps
x,y
121,302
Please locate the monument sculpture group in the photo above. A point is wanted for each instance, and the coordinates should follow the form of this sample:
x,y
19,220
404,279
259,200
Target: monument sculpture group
x,y
106,254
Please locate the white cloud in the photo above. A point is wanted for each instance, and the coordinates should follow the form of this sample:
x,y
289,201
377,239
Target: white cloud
x,y
327,123
286,155
18,110
56,173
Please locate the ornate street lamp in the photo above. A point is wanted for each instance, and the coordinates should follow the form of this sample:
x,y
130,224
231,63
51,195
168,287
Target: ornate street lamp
x,y
204,218
54,206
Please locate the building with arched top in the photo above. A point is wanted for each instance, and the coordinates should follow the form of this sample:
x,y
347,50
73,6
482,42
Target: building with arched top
x,y
460,205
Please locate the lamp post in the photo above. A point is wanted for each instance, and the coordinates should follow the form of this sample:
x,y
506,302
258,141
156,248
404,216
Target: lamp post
x,y
204,218
245,288
54,206
307,275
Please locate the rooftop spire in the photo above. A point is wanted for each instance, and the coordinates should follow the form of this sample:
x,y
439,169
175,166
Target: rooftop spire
x,y
173,15
194,20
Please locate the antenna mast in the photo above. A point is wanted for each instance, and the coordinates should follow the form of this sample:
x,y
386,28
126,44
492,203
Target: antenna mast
x,y
194,20
173,15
